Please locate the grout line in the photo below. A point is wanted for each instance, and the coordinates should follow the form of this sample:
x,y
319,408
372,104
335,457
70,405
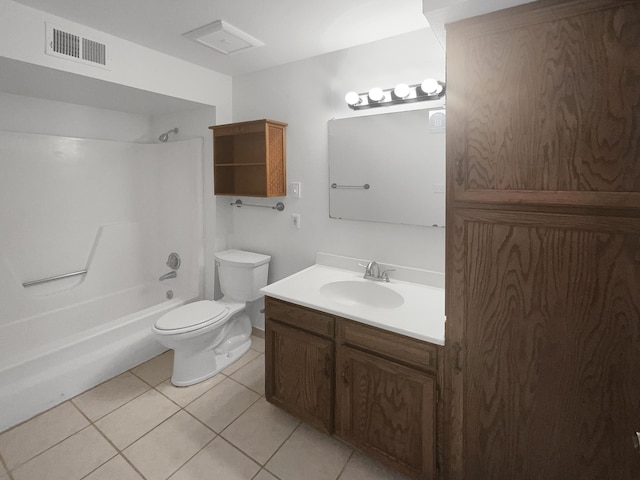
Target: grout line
x,y
50,446
353,451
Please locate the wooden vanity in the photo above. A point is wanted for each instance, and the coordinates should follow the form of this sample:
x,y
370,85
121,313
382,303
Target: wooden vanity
x,y
375,389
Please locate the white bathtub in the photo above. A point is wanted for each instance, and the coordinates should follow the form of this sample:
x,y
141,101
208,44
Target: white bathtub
x,y
68,351
115,210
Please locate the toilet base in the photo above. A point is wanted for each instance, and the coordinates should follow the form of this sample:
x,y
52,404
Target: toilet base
x,y
191,367
203,365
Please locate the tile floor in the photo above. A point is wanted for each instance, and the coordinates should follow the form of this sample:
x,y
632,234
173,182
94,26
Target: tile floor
x,y
137,425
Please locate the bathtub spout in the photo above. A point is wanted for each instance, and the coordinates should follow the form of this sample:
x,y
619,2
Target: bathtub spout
x,y
173,274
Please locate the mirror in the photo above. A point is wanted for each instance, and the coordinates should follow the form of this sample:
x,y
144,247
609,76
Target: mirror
x,y
389,167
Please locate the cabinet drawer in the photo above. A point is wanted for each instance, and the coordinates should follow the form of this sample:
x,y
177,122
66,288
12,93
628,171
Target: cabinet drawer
x,y
300,317
399,348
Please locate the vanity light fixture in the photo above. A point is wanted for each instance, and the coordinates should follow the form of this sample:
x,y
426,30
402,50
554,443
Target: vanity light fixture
x,y
429,89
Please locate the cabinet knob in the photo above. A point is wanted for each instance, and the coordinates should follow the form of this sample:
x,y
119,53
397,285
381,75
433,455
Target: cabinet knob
x,y
459,172
345,374
636,441
457,363
327,366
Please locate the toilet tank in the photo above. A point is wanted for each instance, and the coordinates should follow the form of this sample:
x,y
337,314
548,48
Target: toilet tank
x,y
242,274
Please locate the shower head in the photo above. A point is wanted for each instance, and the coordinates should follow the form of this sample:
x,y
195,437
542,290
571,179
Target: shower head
x,y
165,136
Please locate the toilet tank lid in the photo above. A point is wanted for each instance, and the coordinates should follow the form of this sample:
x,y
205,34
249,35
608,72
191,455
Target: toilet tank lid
x,y
240,258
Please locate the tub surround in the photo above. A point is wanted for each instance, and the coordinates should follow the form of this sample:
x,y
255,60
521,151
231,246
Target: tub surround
x,y
420,316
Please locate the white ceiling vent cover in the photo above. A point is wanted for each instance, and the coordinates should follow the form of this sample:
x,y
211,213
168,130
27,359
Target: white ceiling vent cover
x,y
223,37
65,44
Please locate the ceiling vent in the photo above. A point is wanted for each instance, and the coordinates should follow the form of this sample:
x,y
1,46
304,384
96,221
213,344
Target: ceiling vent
x,y
223,37
65,44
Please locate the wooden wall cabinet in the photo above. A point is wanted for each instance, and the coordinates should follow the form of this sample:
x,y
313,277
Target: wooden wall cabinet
x,y
543,240
385,396
250,159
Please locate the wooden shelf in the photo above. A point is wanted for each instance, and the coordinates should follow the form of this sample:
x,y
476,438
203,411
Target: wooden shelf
x,y
250,158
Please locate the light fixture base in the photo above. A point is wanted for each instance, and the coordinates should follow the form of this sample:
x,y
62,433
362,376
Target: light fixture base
x,y
416,94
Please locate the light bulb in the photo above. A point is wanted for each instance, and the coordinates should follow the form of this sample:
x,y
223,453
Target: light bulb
x,y
402,90
376,94
430,87
352,98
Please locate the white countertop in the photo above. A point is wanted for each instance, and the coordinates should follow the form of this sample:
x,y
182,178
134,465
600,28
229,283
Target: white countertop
x,y
420,316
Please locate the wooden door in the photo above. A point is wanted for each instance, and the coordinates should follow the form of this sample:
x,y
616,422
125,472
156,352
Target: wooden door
x,y
299,374
387,410
546,382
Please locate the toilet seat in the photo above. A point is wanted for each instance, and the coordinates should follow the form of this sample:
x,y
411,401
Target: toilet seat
x,y
192,316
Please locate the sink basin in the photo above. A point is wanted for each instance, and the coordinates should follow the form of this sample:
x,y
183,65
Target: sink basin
x,y
365,293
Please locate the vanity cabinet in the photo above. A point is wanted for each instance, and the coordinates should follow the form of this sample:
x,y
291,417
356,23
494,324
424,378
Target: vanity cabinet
x,y
299,362
250,159
385,396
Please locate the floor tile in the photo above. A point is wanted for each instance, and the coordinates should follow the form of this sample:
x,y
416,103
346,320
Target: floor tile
x,y
257,344
40,433
131,421
156,370
309,454
166,448
110,395
261,430
252,375
220,457
72,459
360,467
264,475
222,404
241,362
183,396
115,469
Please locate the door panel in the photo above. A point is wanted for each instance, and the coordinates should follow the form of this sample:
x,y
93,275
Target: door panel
x,y
551,345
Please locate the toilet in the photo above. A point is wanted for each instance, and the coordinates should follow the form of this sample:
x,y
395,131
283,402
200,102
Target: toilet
x,y
209,335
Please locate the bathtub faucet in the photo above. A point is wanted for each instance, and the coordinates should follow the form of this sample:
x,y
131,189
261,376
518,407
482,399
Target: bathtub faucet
x,y
173,274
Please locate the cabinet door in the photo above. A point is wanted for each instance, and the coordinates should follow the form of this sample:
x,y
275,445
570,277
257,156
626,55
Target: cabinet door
x,y
543,105
387,410
543,340
299,374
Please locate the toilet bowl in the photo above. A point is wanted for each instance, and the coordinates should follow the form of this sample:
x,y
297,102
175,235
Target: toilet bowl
x,y
209,335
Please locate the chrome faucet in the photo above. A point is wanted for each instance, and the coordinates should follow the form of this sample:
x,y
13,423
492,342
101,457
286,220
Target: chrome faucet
x,y
372,272
173,274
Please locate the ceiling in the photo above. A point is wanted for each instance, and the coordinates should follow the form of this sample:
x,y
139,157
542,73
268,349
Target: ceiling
x,y
290,29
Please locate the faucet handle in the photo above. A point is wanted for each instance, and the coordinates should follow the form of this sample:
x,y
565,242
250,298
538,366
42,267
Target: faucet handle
x,y
385,274
367,268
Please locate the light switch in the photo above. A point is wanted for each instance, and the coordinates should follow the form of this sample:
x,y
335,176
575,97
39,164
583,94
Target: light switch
x,y
294,189
295,220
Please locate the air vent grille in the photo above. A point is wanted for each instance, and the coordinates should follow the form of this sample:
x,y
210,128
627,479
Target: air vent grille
x,y
69,45
66,43
94,51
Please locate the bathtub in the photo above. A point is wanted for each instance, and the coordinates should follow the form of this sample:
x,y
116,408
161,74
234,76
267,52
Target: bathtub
x,y
88,226
68,351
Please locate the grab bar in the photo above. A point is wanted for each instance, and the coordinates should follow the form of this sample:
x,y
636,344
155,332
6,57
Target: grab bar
x,y
366,186
57,277
278,206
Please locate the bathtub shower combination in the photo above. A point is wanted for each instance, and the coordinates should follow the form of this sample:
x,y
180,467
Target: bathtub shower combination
x,y
87,228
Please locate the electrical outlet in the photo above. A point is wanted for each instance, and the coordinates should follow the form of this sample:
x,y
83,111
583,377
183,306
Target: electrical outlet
x,y
294,189
295,220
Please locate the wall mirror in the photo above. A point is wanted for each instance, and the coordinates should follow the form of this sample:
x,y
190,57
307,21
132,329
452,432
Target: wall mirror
x,y
389,167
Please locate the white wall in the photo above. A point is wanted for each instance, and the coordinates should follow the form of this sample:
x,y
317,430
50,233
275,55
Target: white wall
x,y
307,94
19,113
22,37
